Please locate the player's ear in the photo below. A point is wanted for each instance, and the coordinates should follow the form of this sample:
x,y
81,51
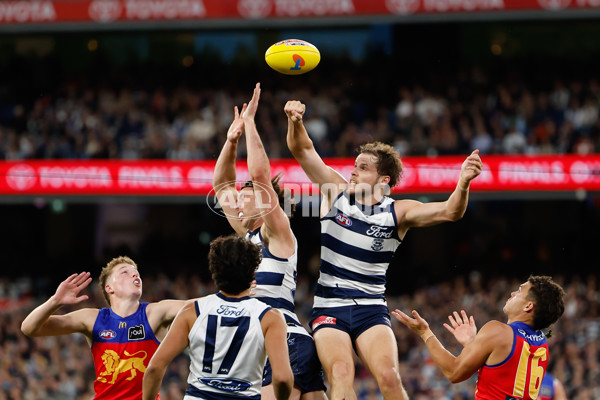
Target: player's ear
x,y
385,179
529,306
108,289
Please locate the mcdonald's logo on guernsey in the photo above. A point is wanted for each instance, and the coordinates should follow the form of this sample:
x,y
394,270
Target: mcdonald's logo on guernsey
x,y
122,324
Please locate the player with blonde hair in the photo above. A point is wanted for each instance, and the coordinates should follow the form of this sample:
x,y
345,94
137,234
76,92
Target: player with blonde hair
x,y
122,338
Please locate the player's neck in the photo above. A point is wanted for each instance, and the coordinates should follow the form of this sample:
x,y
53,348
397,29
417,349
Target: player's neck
x,y
520,318
257,224
124,307
245,293
367,200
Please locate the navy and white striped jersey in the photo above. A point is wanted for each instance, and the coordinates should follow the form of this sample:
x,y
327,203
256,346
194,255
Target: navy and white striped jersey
x,y
227,348
276,281
357,245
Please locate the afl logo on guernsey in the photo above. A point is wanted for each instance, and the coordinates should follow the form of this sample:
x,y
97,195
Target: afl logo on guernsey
x,y
343,220
108,334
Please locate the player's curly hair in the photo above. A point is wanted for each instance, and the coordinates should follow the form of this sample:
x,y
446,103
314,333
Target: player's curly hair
x,y
388,160
549,300
283,195
108,269
232,262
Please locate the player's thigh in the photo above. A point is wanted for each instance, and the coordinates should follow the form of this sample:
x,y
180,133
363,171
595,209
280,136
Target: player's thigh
x,y
268,393
318,395
378,349
334,345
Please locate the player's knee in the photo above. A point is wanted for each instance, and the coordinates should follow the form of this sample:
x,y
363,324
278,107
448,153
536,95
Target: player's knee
x,y
342,372
388,380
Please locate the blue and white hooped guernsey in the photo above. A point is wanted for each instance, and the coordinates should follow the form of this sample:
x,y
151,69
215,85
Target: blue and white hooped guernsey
x,y
227,349
357,245
276,282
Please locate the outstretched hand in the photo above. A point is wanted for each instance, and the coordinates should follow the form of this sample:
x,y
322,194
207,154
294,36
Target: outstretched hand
x,y
463,329
417,324
68,291
294,110
471,167
250,111
237,126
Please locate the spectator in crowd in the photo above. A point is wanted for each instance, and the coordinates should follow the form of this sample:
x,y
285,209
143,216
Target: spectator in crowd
x,y
134,123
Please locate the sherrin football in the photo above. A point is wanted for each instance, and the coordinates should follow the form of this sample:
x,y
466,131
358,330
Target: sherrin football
x,y
293,57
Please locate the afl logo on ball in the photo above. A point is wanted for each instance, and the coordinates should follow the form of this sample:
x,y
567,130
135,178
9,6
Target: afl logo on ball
x,y
554,5
105,10
402,7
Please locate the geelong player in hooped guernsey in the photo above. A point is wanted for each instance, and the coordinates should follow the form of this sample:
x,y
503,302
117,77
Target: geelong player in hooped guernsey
x,y
229,334
361,229
257,213
511,357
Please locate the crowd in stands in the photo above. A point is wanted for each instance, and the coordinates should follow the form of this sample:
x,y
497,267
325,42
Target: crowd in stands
x,y
79,120
60,368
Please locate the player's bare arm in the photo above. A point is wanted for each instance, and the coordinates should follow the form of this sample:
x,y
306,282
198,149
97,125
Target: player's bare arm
x,y
275,332
474,355
175,342
225,176
276,228
330,182
161,314
42,322
413,214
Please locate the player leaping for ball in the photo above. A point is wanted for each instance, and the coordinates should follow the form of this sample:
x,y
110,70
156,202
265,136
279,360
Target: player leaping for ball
x,y
361,229
256,212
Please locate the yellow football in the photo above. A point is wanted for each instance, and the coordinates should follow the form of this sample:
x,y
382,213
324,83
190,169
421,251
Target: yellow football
x,y
293,57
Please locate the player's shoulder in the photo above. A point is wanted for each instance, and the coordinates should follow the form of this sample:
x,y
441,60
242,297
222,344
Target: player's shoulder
x,y
495,328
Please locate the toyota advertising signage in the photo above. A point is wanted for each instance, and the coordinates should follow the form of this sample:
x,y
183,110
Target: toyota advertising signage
x,y
103,12
194,178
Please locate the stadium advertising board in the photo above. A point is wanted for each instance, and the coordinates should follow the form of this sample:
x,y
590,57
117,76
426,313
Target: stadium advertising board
x,y
15,12
194,178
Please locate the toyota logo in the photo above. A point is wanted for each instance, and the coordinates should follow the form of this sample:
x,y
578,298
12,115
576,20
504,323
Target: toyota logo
x,y
21,177
402,7
105,10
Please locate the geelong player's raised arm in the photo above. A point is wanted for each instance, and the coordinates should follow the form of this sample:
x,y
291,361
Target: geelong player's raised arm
x,y
305,153
224,178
